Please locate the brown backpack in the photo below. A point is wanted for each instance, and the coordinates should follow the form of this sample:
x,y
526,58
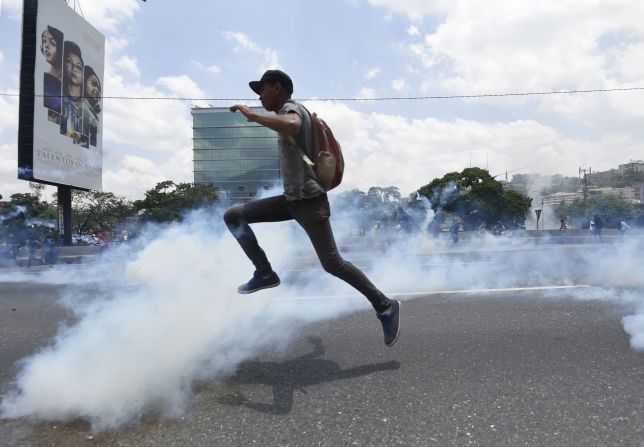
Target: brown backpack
x,y
329,163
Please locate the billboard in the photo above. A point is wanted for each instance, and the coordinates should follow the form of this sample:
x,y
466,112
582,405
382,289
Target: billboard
x,y
61,83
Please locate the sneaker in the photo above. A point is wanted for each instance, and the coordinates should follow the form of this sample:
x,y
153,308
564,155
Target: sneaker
x,y
257,282
390,320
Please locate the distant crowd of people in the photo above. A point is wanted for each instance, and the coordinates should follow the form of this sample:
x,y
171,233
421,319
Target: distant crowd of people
x,y
16,250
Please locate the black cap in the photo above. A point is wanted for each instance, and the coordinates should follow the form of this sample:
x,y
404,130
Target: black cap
x,y
272,77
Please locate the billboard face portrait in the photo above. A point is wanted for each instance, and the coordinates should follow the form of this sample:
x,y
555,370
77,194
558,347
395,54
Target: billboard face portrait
x,y
67,128
51,48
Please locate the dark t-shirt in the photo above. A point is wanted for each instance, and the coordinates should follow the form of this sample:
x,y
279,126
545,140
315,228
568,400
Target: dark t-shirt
x,y
298,178
598,223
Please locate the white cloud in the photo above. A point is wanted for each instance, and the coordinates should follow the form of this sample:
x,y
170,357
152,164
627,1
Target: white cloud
x,y
128,65
413,31
413,9
270,58
8,172
11,8
1,57
138,165
158,126
115,44
107,16
398,84
181,86
372,73
629,62
367,93
135,175
132,175
8,111
11,5
212,69
504,46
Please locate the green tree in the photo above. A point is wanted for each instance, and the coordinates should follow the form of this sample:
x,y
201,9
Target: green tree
x,y
610,207
476,197
168,201
31,205
98,210
384,195
37,188
25,215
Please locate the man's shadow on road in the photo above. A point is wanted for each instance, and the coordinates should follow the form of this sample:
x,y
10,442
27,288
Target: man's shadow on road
x,y
291,375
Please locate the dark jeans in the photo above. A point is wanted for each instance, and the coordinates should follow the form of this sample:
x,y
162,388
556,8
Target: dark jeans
x,y
313,216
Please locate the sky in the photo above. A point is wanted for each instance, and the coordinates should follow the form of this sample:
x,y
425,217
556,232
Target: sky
x,y
364,49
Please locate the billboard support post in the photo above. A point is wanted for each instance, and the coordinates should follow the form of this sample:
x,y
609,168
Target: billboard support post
x,y
65,213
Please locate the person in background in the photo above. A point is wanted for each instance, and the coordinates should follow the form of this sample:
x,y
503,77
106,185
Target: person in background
x,y
32,246
435,229
454,229
102,243
498,229
482,229
47,251
599,225
592,230
623,228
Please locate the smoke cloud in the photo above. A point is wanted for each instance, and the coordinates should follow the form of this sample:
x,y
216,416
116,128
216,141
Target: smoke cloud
x,y
164,312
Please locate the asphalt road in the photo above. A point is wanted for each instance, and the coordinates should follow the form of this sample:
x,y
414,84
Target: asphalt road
x,y
489,369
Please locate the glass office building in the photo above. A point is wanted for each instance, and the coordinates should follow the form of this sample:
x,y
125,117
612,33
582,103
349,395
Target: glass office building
x,y
237,157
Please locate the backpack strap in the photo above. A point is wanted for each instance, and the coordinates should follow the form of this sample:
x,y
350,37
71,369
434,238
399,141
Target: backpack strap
x,y
294,142
305,157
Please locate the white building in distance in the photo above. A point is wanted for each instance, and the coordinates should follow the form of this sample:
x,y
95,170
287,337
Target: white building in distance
x,y
631,167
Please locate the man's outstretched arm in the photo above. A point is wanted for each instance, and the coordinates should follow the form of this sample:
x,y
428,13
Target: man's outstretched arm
x,y
288,124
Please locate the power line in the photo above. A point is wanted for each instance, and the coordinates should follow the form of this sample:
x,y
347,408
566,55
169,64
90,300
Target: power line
x,y
385,98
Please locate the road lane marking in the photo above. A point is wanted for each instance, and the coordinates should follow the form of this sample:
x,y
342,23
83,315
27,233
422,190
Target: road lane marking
x,y
431,264
444,292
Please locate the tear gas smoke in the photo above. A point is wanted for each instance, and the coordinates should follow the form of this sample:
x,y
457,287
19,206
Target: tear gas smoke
x,y
170,315
17,209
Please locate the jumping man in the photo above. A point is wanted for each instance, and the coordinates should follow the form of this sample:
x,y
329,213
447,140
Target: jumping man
x,y
304,200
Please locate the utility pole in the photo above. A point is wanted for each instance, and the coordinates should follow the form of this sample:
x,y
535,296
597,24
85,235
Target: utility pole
x,y
584,181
